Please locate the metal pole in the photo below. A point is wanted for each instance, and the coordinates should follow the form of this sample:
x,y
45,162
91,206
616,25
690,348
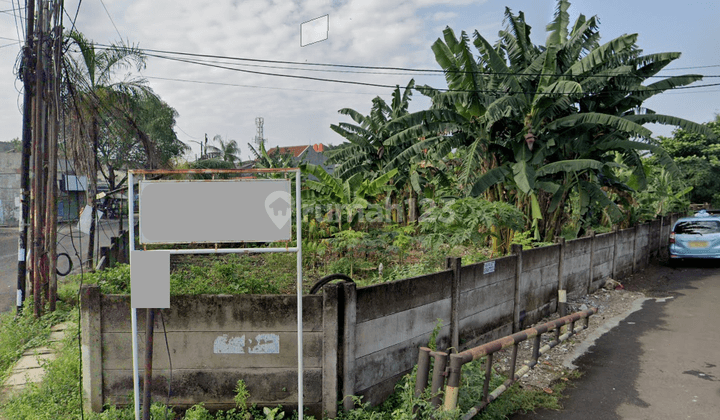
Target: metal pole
x,y
147,385
453,382
298,235
438,378
133,311
25,162
423,371
136,373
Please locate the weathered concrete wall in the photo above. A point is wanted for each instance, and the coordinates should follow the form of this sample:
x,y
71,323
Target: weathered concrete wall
x,y
576,265
487,295
602,260
642,246
10,188
625,248
392,321
537,288
215,341
358,341
654,240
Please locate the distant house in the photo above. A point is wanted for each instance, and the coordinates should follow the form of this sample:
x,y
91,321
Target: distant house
x,y
71,190
9,188
305,154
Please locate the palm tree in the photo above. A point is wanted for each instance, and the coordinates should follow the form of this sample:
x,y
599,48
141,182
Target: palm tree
x,y
229,151
95,94
538,123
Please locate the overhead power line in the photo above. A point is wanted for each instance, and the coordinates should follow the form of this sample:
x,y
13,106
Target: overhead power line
x,y
353,82
158,53
111,19
73,20
694,67
255,86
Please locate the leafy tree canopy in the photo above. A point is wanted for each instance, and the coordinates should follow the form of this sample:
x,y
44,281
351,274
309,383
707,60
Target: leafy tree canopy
x,y
698,158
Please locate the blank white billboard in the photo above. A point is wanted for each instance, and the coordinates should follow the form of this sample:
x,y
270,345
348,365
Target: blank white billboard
x,y
314,30
254,210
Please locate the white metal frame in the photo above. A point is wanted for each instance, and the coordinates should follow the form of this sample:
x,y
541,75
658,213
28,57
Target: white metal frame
x,y
297,249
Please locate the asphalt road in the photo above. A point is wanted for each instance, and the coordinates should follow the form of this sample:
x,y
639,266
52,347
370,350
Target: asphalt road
x,y
661,362
9,254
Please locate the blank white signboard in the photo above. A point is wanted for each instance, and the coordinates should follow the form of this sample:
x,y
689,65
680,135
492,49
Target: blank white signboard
x,y
255,210
314,30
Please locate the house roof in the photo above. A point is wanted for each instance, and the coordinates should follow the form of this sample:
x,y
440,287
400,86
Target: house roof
x,y
295,151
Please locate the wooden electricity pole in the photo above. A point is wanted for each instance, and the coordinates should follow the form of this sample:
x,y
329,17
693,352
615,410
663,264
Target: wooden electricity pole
x,y
27,78
40,139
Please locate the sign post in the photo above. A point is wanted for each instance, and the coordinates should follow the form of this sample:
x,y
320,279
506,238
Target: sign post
x,y
259,210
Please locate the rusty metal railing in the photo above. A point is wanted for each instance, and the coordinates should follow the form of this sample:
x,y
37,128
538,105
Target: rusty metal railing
x,y
453,371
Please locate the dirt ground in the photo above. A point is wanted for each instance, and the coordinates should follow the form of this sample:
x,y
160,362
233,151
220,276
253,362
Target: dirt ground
x,y
651,282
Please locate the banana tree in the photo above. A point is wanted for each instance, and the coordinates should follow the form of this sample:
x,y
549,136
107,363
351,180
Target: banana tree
x,y
540,122
350,195
367,152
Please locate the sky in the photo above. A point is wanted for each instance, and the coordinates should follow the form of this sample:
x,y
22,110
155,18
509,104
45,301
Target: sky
x,y
383,33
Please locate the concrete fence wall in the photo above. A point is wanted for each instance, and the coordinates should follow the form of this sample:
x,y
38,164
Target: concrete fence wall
x,y
357,341
214,341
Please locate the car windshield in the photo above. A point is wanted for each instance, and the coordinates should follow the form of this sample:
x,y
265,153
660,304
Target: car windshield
x,y
697,227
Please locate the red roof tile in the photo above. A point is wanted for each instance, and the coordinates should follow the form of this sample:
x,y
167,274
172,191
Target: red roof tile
x,y
296,151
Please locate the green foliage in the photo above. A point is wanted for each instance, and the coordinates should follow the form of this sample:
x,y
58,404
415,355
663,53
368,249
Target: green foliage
x,y
698,158
367,153
115,280
432,341
513,400
468,221
352,194
18,334
275,158
274,414
526,240
241,396
403,240
227,150
350,243
230,274
58,396
198,412
537,123
404,271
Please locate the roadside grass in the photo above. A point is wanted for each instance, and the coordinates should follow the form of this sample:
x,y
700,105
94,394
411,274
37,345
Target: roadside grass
x,y
18,334
55,396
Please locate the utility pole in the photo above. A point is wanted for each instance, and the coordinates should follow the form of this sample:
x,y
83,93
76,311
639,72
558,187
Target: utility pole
x,y
27,76
40,138
52,187
38,172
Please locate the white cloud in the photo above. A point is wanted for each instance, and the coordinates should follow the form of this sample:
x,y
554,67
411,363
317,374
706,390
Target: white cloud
x,y
395,33
443,16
